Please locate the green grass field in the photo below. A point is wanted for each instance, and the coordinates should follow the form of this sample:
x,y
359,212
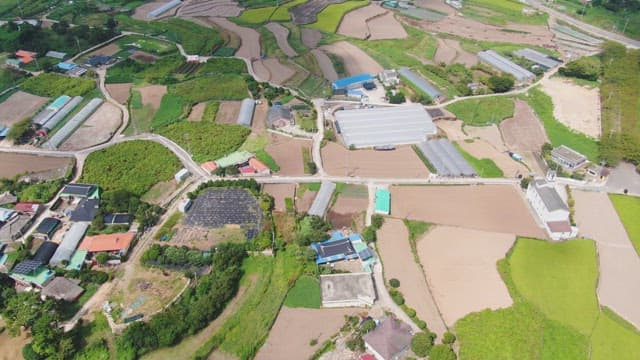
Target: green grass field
x,y
206,140
282,12
268,160
53,85
500,12
485,168
214,87
628,209
483,111
331,16
257,16
305,293
147,44
171,109
558,133
613,336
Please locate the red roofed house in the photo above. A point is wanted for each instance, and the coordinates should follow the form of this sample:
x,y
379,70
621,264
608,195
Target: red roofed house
x,y
209,166
26,56
116,244
255,167
27,207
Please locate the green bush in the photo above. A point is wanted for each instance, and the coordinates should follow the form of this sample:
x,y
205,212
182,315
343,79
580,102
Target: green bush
x,y
421,324
422,343
206,140
500,83
448,338
215,87
411,312
397,297
442,352
587,68
394,283
54,85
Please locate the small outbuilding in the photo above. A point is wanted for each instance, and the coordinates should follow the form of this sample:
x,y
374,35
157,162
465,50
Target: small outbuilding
x,y
80,191
181,175
118,219
321,202
61,288
389,340
46,228
348,289
383,202
568,158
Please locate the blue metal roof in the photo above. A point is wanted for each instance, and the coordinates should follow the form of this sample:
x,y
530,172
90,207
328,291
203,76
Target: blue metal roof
x,y
67,66
344,82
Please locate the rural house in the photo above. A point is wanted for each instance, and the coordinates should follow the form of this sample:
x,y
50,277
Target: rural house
x,y
86,210
47,228
279,116
346,290
80,191
551,209
61,288
389,78
115,244
389,340
568,158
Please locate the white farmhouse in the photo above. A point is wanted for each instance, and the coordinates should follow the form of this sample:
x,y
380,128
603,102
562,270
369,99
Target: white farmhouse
x,y
551,209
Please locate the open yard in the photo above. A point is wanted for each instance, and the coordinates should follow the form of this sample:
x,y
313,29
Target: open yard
x,y
98,128
120,92
466,206
279,193
18,106
401,162
355,60
460,265
16,164
287,152
152,95
523,132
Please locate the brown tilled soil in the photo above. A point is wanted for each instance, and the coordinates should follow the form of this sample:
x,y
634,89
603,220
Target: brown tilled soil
x,y
444,53
491,134
219,8
576,106
346,210
279,193
152,95
328,71
144,57
386,27
523,132
196,112
108,50
311,37
119,92
399,163
278,72
290,337
228,112
483,150
97,129
399,263
287,152
260,118
304,203
282,37
481,207
355,60
460,265
354,23
16,164
20,106
250,38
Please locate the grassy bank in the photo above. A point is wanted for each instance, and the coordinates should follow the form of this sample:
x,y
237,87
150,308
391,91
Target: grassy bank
x,y
483,111
628,209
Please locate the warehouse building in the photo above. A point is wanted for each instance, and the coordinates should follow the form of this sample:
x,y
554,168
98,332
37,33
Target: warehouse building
x,y
419,82
245,117
384,126
543,60
341,86
59,137
506,66
321,202
445,158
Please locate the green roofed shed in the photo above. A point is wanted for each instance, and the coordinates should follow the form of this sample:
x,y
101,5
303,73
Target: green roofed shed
x,y
383,202
235,158
77,259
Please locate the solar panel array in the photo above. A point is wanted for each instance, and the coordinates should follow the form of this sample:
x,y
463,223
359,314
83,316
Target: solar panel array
x,y
446,158
26,267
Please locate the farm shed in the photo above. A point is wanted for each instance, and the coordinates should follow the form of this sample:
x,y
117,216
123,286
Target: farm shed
x,y
551,209
385,126
245,117
445,158
47,228
322,200
389,340
279,116
419,82
14,63
181,175
61,288
4,131
69,243
349,289
77,260
117,243
505,65
185,205
45,252
341,86
59,137
541,59
76,72
163,8
66,66
567,157
55,54
80,191
86,210
62,113
383,202
389,77
43,116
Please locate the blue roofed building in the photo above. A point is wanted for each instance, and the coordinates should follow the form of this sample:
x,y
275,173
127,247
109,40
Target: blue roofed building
x,y
344,247
341,86
66,66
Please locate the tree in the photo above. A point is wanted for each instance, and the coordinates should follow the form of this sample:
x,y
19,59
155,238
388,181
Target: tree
x,y
397,98
102,258
500,83
19,129
442,352
22,310
98,222
422,343
587,68
448,338
46,335
394,283
369,234
367,326
311,229
377,221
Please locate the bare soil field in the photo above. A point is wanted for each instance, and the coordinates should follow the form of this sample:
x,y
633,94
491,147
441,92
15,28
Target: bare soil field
x,y
152,95
228,112
483,150
196,112
12,346
144,57
311,37
576,106
250,38
278,72
295,328
287,152
491,134
220,8
259,118
617,288
143,10
467,206
19,106
160,192
460,265
279,193
401,162
438,5
204,239
354,23
523,132
97,129
16,164
328,71
119,92
450,52
386,27
108,50
398,261
355,60
282,37
346,210
304,203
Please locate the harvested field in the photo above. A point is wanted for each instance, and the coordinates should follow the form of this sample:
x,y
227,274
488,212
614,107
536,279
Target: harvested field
x,y
196,111
287,152
307,13
142,11
576,106
250,38
304,203
328,71
108,50
282,37
278,73
355,60
397,258
294,329
120,92
491,134
399,163
19,106
311,37
279,193
16,164
143,57
617,288
460,266
450,52
204,239
386,27
483,150
354,23
97,129
219,8
346,211
466,206
228,112
523,132
152,95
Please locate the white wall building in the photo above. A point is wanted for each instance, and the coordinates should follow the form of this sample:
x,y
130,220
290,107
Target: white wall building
x,y
551,209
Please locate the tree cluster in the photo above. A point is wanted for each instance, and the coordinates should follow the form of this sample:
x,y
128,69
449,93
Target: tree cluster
x,y
174,256
369,233
311,229
587,68
500,83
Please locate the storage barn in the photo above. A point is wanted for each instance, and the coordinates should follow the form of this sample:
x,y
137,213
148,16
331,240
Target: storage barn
x,y
62,113
321,202
59,137
245,117
341,86
422,84
545,61
163,9
505,65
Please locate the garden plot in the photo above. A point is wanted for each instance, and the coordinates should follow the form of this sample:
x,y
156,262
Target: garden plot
x,y
282,37
152,95
617,288
467,206
328,71
228,112
97,129
307,13
355,60
399,163
481,149
16,164
287,152
19,106
250,38
220,8
108,50
120,92
399,263
279,193
143,57
523,132
311,37
197,111
576,106
350,205
386,27
460,265
291,335
354,23
142,11
450,52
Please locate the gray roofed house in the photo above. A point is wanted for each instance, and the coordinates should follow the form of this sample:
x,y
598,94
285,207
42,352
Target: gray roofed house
x,y
551,209
550,196
389,340
389,77
567,157
61,288
79,191
421,84
279,116
7,198
321,202
45,252
55,54
245,117
349,289
86,210
69,243
47,227
505,65
539,58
